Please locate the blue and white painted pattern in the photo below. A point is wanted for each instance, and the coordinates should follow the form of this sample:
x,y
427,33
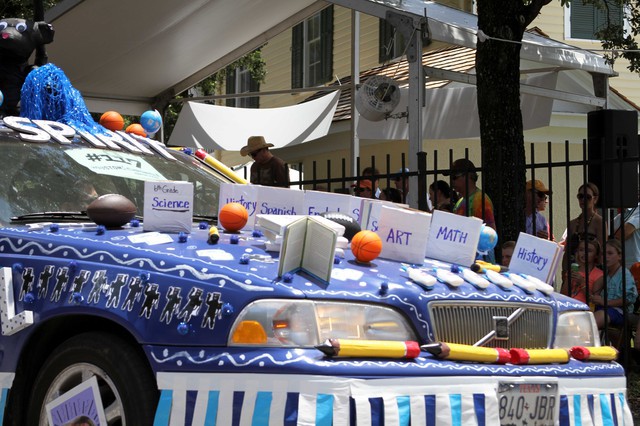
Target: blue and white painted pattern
x,y
269,400
6,379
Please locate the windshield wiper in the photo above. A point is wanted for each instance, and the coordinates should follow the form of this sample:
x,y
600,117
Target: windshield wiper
x,y
51,217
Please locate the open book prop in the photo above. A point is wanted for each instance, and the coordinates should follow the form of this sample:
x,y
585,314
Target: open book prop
x,y
453,238
273,227
404,234
168,206
536,257
309,244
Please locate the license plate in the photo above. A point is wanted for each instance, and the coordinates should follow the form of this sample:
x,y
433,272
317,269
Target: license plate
x,y
529,404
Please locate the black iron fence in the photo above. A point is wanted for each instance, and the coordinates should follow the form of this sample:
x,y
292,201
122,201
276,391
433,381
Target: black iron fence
x,y
612,163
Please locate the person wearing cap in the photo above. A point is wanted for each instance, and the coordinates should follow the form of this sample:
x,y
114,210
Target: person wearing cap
x,y
363,188
372,174
267,169
473,201
536,201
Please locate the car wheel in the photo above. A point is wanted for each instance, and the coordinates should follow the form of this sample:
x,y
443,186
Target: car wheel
x,y
127,387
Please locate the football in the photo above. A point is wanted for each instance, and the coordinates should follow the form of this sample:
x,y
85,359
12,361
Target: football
x,y
111,210
351,226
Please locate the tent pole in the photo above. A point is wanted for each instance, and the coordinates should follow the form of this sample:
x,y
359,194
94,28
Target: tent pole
x,y
355,77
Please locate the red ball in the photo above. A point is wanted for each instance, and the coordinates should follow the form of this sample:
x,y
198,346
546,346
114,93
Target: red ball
x,y
137,129
112,121
233,217
366,246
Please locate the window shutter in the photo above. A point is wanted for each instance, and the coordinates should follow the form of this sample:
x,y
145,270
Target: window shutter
x,y
297,46
586,19
326,20
254,101
385,35
230,86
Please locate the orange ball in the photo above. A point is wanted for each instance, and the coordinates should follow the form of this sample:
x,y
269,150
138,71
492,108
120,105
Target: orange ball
x,y
233,217
137,129
366,246
112,121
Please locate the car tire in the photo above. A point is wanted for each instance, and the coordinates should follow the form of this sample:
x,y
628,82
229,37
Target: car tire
x,y
127,387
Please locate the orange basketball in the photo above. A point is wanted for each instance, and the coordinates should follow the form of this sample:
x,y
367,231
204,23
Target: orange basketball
x,y
137,129
112,121
366,246
233,217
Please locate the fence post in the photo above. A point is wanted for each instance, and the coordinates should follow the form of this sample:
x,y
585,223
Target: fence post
x,y
422,181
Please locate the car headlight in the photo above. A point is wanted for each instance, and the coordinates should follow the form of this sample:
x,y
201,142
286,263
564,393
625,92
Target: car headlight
x,y
576,328
305,323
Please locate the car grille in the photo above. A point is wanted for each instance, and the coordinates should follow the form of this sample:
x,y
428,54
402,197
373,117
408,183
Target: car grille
x,y
489,324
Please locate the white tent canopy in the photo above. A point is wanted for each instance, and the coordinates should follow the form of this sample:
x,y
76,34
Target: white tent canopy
x,y
224,128
452,113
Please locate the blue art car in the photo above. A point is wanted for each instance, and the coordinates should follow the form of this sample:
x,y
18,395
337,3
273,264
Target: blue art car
x,y
106,322
128,327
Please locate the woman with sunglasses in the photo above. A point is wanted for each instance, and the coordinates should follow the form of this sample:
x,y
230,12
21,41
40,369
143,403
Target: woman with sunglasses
x,y
587,224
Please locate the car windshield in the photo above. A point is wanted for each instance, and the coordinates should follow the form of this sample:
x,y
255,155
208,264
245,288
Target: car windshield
x,y
52,177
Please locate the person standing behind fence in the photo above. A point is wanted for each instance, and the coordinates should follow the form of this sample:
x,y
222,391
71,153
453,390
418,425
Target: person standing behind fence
x,y
472,202
535,200
267,169
441,196
372,173
616,305
588,223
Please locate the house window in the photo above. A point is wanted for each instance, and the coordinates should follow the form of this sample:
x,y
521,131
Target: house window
x,y
392,43
239,80
312,50
586,19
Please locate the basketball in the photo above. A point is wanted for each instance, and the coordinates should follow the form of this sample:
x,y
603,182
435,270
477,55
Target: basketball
x,y
366,246
112,121
137,129
233,217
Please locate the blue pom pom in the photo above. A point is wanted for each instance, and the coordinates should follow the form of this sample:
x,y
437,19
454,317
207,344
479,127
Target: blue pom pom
x,y
29,298
234,239
244,259
77,298
455,269
182,237
134,223
227,309
336,260
187,151
256,233
384,288
17,267
183,328
144,277
287,278
54,227
100,230
203,225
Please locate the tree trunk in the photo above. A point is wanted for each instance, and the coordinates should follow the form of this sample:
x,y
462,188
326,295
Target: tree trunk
x,y
501,131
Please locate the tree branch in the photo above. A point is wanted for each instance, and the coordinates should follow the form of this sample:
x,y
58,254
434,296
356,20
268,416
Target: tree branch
x,y
532,10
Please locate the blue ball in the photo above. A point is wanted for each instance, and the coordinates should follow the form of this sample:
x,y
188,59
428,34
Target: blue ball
x,y
151,121
488,239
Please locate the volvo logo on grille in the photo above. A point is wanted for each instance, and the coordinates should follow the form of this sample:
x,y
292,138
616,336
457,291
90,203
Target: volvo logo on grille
x,y
501,327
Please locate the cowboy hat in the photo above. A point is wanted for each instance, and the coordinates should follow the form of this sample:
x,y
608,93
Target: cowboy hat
x,y
253,144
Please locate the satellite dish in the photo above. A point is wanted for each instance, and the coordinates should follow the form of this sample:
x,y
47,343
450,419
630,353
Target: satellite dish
x,y
377,97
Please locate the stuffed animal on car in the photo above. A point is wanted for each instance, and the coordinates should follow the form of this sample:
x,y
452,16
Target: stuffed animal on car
x,y
18,39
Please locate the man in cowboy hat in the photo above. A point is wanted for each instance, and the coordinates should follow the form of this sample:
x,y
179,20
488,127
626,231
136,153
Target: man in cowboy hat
x,y
267,169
